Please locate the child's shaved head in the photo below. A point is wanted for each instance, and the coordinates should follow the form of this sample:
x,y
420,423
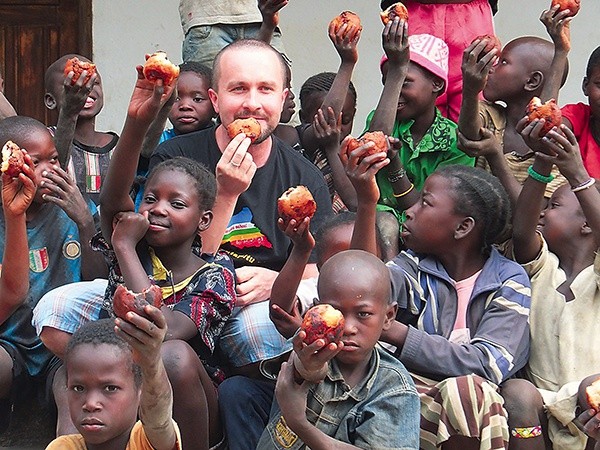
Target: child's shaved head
x,y
358,270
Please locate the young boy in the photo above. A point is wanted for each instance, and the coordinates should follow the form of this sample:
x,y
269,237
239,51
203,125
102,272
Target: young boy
x,y
357,391
59,224
115,371
188,111
527,67
415,73
83,150
558,247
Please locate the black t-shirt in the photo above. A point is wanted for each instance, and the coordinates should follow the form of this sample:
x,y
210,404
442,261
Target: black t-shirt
x,y
252,236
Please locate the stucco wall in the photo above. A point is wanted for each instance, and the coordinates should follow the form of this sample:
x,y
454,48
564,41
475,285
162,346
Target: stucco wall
x,y
124,31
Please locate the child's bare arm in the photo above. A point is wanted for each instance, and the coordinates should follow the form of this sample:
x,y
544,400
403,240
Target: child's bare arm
x,y
283,292
529,204
291,398
6,108
269,9
345,42
327,128
405,193
567,158
145,338
17,195
558,26
145,103
156,128
74,98
489,148
475,75
361,172
395,45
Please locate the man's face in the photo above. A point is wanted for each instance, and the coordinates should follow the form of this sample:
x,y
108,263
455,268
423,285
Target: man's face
x,y
250,84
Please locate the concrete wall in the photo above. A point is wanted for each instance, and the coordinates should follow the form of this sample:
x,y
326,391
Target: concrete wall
x,y
124,31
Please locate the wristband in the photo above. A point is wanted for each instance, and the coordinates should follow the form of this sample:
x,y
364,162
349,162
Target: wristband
x,y
526,432
397,175
412,186
585,185
538,176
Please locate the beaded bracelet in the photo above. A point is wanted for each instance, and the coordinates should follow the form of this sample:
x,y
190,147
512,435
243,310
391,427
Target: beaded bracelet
x,y
397,175
412,186
585,185
538,176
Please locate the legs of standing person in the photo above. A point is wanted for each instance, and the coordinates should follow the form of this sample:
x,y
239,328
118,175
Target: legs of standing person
x,y
202,43
195,406
526,416
245,404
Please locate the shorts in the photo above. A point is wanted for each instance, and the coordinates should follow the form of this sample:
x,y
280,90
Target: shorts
x,y
249,336
202,43
68,307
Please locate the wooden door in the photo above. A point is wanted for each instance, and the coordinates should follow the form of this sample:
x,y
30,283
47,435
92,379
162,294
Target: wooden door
x,y
33,34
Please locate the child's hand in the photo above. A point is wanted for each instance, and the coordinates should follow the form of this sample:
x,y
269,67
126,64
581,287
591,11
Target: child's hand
x,y
487,146
310,360
530,132
558,26
290,395
63,191
395,42
475,70
563,150
589,422
269,9
148,97
145,336
287,324
129,228
299,233
327,128
345,41
75,95
235,168
361,169
19,192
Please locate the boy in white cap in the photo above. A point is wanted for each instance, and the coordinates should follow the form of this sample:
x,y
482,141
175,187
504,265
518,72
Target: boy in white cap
x,y
414,73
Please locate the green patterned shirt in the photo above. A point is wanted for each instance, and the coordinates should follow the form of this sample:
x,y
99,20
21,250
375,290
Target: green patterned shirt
x,y
436,148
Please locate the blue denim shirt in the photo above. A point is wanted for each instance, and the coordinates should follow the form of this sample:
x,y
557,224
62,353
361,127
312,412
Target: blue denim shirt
x,y
381,411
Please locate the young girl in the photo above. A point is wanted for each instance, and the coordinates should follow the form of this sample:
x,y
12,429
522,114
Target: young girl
x,y
584,120
457,22
558,249
159,244
462,326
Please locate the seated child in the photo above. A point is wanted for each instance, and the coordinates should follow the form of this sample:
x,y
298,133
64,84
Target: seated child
x,y
115,373
415,73
188,111
325,129
57,224
83,150
462,326
558,248
160,245
351,391
584,119
527,67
